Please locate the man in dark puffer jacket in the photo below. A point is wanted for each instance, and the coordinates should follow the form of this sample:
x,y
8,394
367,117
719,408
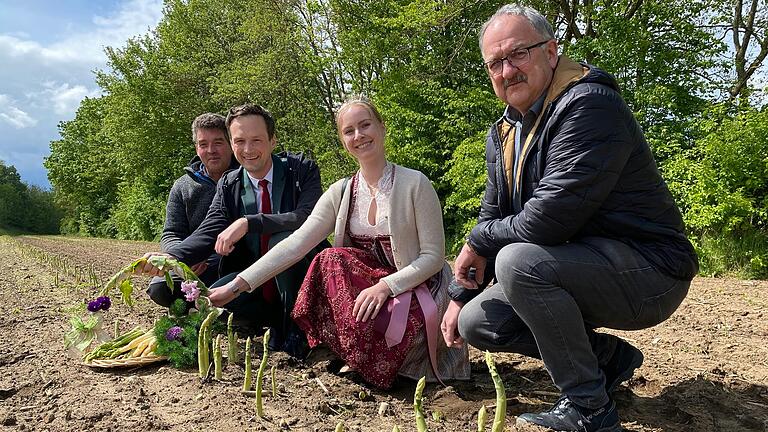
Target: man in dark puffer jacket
x,y
576,225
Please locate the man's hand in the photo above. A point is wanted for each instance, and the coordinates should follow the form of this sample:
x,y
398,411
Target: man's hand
x,y
225,242
199,268
466,260
450,325
370,301
150,270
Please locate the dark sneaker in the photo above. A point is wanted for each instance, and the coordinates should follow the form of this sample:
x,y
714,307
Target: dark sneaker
x,y
626,358
567,416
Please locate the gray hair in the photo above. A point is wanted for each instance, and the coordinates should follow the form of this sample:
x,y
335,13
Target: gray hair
x,y
209,121
537,20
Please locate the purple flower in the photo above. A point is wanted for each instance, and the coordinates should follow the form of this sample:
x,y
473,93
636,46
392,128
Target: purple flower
x,y
190,290
101,303
105,302
94,306
173,333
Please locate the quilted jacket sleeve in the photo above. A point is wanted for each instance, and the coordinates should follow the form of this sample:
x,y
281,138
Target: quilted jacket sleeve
x,y
587,145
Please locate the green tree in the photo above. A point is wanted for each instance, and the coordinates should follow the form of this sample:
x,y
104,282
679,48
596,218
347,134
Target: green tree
x,y
25,208
84,167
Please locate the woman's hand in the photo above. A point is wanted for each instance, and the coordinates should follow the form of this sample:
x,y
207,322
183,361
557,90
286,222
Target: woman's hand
x,y
220,296
224,294
370,301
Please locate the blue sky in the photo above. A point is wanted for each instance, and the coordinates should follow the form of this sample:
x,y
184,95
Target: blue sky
x,y
48,52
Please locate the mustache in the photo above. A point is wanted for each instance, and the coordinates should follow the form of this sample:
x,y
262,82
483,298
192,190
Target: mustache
x,y
518,78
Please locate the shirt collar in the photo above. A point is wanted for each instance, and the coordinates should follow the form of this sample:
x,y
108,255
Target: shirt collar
x,y
267,177
203,170
512,115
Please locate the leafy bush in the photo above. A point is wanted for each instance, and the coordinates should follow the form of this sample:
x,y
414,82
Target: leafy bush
x,y
138,215
721,185
742,255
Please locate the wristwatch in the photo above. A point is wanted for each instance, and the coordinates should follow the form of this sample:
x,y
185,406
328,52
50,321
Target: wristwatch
x,y
236,288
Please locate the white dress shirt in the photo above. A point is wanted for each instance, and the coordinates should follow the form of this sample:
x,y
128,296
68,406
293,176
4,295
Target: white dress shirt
x,y
257,188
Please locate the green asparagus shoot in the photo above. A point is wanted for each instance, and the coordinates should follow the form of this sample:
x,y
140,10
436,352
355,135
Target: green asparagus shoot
x,y
247,381
501,395
231,342
274,382
217,358
260,375
482,417
421,423
204,342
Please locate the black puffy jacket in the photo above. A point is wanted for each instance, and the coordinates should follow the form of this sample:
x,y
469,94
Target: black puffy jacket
x,y
587,171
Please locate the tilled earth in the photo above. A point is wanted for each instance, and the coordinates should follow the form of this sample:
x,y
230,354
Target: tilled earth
x,y
706,368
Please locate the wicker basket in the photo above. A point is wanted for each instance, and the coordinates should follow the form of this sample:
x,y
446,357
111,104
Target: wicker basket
x,y
125,362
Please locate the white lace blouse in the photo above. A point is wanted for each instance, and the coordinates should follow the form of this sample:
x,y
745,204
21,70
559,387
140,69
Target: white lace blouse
x,y
359,224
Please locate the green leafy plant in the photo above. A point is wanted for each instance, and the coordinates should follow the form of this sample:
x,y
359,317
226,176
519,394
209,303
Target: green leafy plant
x,y
180,346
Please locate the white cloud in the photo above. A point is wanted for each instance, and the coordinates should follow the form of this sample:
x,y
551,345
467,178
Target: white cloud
x,y
43,81
135,17
13,115
67,98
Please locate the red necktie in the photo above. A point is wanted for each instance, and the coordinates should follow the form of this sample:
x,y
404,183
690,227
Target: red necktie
x,y
269,290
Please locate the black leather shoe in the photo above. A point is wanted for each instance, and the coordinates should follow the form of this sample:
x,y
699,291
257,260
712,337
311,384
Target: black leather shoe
x,y
626,358
567,416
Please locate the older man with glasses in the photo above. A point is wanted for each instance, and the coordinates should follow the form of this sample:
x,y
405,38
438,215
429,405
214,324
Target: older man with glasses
x,y
576,226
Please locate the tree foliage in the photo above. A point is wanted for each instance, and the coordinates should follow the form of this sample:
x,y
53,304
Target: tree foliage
x,y
25,208
419,61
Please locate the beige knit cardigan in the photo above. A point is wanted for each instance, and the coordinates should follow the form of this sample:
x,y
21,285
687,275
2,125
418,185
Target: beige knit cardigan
x,y
415,225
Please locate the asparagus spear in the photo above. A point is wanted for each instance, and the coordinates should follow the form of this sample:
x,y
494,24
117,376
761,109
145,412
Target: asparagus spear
x,y
421,423
501,395
247,381
260,375
217,358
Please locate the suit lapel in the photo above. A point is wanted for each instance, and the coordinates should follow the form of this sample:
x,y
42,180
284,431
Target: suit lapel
x,y
278,183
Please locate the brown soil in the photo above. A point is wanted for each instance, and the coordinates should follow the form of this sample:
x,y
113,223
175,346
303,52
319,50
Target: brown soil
x,y
706,368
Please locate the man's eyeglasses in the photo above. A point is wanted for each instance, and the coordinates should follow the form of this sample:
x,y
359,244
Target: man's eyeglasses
x,y
516,58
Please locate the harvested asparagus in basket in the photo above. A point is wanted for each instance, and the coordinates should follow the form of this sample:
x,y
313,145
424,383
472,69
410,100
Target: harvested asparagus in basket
x,y
134,343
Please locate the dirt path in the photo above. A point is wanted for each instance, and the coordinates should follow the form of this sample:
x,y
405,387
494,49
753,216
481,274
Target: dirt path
x,y
706,368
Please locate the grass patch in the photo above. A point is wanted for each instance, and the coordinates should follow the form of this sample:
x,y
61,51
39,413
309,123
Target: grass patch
x,y
741,255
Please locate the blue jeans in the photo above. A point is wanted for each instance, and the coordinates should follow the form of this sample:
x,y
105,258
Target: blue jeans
x,y
549,299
